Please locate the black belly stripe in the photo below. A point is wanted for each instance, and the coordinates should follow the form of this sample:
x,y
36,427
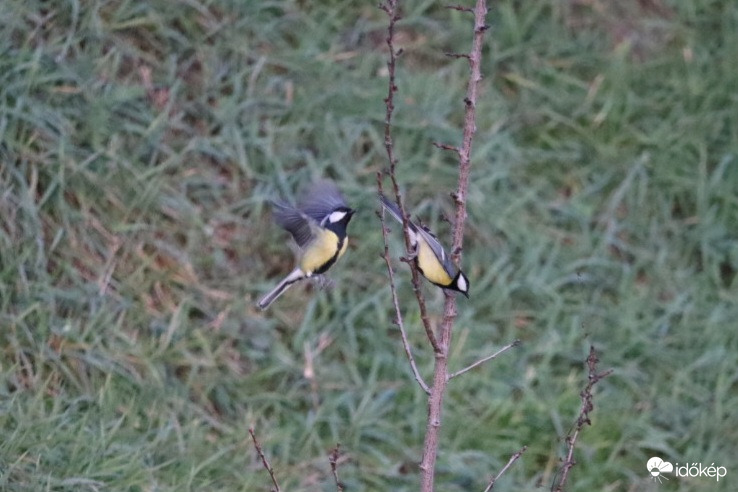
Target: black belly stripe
x,y
330,262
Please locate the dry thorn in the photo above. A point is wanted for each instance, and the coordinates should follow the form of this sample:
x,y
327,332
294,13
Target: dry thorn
x,y
264,461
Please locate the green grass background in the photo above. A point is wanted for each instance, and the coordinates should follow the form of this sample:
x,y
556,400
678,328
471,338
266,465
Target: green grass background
x,y
140,141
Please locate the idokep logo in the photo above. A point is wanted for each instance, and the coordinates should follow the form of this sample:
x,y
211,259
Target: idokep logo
x,y
658,467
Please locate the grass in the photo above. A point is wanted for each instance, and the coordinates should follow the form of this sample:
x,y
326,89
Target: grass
x,y
140,143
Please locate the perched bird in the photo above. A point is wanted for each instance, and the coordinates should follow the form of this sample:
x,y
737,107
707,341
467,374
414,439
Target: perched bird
x,y
430,257
318,225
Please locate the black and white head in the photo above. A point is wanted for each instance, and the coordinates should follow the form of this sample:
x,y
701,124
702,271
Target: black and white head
x,y
460,283
338,220
320,205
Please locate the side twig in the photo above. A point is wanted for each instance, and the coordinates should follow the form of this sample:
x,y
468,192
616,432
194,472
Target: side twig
x,y
333,460
398,313
264,461
442,146
587,406
481,361
512,460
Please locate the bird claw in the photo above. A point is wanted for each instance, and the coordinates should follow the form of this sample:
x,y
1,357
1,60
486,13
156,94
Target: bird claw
x,y
411,255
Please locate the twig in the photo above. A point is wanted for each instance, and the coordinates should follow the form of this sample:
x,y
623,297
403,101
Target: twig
x,y
512,460
441,146
459,8
264,461
390,7
333,459
395,301
481,361
440,374
587,406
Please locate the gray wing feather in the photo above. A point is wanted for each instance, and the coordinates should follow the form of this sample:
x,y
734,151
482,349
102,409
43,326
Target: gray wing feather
x,y
320,200
438,250
394,210
294,222
427,235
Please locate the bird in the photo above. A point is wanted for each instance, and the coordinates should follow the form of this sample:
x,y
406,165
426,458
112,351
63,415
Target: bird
x,y
318,225
429,256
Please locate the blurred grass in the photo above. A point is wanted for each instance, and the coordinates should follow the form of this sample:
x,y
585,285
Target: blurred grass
x,y
140,142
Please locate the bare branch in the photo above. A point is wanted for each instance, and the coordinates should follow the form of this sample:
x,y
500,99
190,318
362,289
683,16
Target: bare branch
x,y
512,460
470,127
396,302
457,55
440,374
333,460
468,368
264,461
587,406
390,7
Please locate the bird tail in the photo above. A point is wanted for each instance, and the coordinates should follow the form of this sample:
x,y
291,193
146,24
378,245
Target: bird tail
x,y
295,276
391,207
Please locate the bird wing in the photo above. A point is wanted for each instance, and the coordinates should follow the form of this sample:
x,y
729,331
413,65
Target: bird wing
x,y
394,210
426,234
438,250
295,222
320,200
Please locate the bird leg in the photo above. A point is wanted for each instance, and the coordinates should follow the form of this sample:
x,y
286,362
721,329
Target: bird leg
x,y
411,255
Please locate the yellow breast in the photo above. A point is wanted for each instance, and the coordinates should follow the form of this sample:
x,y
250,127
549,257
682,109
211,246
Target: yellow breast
x,y
432,268
343,248
320,251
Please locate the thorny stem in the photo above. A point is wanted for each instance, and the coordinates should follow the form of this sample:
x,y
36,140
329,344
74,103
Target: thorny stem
x,y
264,461
587,406
441,347
440,373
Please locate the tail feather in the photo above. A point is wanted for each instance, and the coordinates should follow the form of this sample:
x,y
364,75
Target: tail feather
x,y
295,276
391,207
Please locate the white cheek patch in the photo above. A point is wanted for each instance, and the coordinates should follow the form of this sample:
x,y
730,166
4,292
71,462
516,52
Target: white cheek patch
x,y
336,216
413,237
462,284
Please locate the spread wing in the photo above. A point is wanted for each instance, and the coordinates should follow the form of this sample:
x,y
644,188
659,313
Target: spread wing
x,y
293,221
320,200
